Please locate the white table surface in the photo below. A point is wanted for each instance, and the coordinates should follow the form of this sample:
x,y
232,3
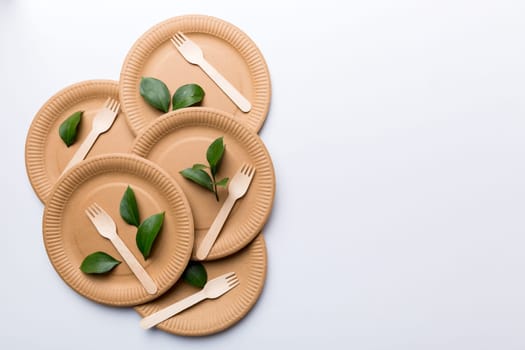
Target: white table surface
x,y
397,133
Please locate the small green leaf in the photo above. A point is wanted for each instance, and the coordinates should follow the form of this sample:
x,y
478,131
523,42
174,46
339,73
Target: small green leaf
x,y
195,274
223,182
214,155
147,233
199,166
198,176
98,263
68,129
156,93
128,208
187,95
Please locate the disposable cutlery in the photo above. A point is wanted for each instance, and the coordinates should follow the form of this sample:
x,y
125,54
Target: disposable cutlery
x,y
212,290
194,55
101,123
106,228
236,189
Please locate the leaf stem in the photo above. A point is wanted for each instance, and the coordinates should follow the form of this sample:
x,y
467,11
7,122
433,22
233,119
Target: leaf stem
x,y
214,186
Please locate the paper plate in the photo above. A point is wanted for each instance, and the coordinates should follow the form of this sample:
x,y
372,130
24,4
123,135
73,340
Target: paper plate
x,y
215,315
46,155
69,236
225,47
180,139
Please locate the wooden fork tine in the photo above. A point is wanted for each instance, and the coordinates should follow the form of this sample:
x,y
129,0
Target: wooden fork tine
x,y
88,212
247,170
178,39
233,283
183,36
93,210
97,208
116,106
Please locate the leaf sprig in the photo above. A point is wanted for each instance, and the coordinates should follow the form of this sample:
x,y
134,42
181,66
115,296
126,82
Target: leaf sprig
x,y
69,128
129,210
147,233
196,173
156,94
195,274
98,263
148,230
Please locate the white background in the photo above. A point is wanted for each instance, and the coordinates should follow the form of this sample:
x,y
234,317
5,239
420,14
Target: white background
x,y
397,133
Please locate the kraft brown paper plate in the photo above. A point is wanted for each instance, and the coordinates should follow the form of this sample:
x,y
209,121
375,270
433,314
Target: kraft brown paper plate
x,y
225,47
212,316
69,236
179,139
46,155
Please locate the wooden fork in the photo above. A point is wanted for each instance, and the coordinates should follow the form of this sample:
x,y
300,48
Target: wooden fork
x,y
106,228
194,55
212,290
101,123
236,189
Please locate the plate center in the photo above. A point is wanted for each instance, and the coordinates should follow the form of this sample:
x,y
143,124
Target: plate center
x,y
177,152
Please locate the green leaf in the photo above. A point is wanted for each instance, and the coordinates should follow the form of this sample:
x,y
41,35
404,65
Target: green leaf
x,y
199,166
198,176
69,127
156,93
128,208
98,263
187,95
214,154
147,233
195,274
223,182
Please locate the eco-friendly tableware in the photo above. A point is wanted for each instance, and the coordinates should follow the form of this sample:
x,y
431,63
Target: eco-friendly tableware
x,y
69,235
236,189
212,316
107,228
179,139
101,123
226,47
212,290
194,55
46,155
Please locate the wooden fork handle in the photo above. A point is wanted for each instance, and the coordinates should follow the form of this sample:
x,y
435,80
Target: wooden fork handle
x,y
211,236
170,311
230,90
135,266
83,150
